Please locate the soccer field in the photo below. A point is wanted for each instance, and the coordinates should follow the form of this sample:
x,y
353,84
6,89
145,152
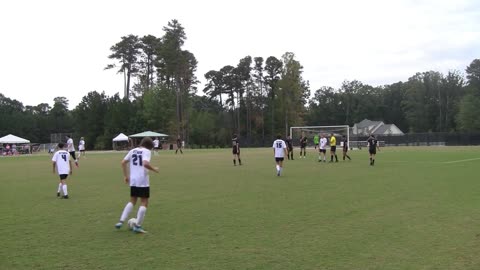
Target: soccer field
x,y
417,208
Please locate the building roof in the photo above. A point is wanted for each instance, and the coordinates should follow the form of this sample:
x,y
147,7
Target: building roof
x,y
367,123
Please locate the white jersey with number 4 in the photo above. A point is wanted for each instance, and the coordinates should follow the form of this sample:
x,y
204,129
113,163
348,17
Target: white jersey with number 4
x,y
70,146
61,158
279,146
323,143
138,173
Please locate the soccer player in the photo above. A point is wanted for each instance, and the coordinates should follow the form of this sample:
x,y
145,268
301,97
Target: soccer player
x,y
179,145
303,145
345,148
372,148
81,147
333,148
316,140
63,166
289,148
323,149
138,162
236,150
156,144
71,149
279,151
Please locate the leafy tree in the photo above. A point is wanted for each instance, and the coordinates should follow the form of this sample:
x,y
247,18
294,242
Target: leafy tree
x,y
273,69
127,52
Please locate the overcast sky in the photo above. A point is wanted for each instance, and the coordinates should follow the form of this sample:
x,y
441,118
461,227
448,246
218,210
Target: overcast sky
x,y
59,48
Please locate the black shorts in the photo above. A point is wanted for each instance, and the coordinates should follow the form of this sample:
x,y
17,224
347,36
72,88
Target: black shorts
x,y
333,148
345,149
236,151
290,149
73,155
323,151
372,151
63,176
277,159
303,145
142,192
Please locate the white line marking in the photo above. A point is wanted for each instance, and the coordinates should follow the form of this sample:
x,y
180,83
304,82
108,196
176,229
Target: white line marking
x,y
461,160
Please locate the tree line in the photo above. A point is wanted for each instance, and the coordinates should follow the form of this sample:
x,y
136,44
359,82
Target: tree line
x,y
256,98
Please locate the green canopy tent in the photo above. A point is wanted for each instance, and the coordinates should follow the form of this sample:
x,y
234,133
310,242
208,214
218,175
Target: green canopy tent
x,y
137,137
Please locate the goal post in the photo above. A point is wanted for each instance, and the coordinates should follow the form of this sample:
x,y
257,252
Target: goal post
x,y
311,131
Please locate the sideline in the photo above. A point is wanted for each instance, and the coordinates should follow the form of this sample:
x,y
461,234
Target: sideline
x,y
461,160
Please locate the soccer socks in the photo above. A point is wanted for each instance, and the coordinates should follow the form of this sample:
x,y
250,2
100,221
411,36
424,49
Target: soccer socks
x,y
234,162
371,163
141,215
59,188
126,211
336,158
239,161
65,191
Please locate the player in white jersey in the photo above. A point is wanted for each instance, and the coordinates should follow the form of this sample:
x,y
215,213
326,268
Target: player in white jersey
x,y
71,149
279,151
323,149
156,145
138,160
63,166
81,147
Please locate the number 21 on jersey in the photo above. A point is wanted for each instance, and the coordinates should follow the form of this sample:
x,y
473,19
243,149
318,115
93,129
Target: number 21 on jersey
x,y
137,160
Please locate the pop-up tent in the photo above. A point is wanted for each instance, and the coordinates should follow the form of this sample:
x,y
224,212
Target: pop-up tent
x,y
12,141
120,138
148,134
120,142
137,137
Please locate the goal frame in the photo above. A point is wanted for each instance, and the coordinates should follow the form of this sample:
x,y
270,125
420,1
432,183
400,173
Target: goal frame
x,y
347,127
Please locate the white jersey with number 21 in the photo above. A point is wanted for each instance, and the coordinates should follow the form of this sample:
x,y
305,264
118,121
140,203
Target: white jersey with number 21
x,y
279,146
138,173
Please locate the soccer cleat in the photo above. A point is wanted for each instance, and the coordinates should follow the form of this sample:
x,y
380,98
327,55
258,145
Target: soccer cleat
x,y
138,229
118,225
76,164
65,197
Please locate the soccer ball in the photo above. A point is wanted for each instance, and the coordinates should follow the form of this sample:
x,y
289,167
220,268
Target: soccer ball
x,y
131,223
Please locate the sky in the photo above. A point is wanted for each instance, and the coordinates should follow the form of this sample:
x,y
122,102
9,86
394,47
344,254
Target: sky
x,y
53,48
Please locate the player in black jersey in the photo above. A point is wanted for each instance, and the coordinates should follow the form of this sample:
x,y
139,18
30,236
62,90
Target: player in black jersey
x,y
289,147
303,145
345,148
236,150
179,145
372,148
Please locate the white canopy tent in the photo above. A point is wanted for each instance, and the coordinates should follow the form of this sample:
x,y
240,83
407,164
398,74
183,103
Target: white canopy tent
x,y
13,139
120,142
120,138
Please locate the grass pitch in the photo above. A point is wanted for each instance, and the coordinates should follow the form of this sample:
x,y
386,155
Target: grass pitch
x,y
417,208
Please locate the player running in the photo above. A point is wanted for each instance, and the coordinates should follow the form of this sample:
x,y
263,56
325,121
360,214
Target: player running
x,y
279,152
138,162
179,145
316,140
71,149
81,147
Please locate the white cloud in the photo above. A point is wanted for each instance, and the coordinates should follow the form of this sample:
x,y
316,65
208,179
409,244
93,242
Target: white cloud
x,y
59,48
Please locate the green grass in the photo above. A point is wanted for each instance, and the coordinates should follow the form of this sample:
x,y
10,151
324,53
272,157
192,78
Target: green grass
x,y
412,210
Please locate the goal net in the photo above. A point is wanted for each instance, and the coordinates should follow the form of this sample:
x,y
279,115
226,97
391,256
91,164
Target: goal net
x,y
311,131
